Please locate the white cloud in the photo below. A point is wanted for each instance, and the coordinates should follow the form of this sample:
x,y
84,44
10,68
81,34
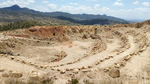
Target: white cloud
x,y
73,3
146,3
118,4
72,9
45,1
41,8
92,0
21,3
96,5
119,0
105,8
52,6
65,7
83,9
137,13
30,1
135,3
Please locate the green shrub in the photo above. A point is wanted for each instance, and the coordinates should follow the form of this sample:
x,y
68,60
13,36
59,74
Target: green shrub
x,y
74,81
19,25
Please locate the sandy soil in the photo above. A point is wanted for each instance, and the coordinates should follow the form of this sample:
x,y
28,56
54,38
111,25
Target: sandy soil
x,y
84,57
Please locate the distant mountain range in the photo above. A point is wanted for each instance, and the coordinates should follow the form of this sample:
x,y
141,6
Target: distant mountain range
x,y
16,13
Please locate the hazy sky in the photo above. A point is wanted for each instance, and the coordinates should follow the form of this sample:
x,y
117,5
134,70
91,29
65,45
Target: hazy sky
x,y
126,9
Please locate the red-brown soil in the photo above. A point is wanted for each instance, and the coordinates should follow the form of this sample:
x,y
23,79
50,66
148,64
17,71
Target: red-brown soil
x,y
49,32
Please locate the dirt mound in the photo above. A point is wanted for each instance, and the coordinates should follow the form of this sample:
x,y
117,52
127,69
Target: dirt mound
x,y
49,32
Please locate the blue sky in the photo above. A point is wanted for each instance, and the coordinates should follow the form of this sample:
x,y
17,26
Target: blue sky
x,y
126,9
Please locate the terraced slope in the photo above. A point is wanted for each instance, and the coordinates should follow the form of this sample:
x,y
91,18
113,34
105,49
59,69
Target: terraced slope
x,y
80,52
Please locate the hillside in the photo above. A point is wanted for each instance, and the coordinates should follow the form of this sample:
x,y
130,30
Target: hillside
x,y
92,21
85,16
16,13
13,15
73,16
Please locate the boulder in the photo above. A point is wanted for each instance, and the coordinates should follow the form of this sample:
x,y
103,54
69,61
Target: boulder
x,y
122,63
34,75
83,67
95,37
89,66
23,61
67,69
6,74
117,66
101,60
106,69
62,71
110,56
12,58
84,37
96,63
61,54
16,74
127,58
58,69
94,70
114,73
84,71
76,71
1,70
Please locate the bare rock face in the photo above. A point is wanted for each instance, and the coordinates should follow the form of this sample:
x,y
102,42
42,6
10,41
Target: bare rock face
x,y
49,32
114,73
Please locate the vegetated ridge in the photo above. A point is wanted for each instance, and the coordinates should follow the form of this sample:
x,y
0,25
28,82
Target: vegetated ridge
x,y
16,13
